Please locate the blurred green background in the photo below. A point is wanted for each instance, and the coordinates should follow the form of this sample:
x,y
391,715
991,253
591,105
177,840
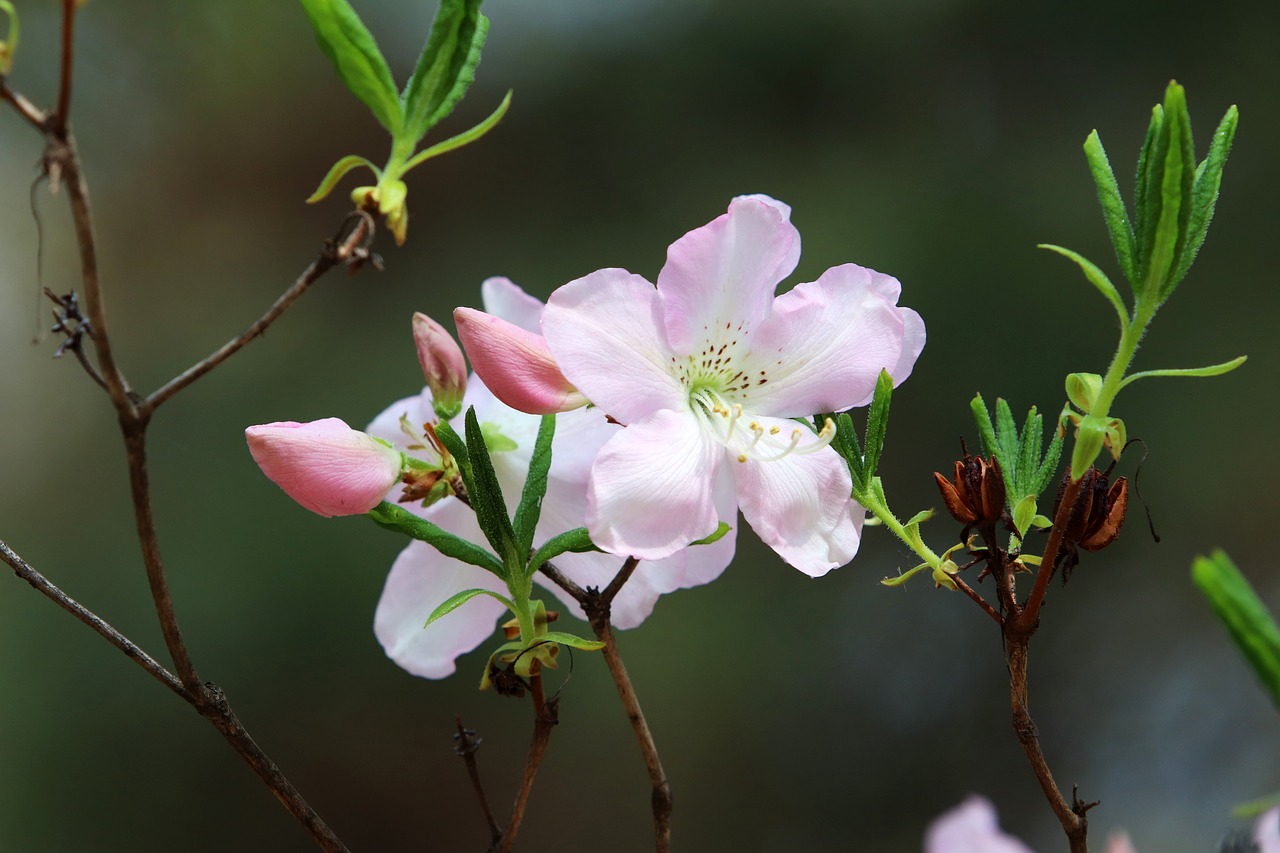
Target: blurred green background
x,y
936,140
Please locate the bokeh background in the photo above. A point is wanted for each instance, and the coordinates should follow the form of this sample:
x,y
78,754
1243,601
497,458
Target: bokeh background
x,y
937,140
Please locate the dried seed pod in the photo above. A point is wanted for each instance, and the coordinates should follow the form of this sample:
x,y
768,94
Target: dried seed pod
x,y
975,496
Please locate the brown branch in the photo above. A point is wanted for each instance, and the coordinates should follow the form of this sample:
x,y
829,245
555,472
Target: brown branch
x,y
978,599
545,718
467,744
30,113
1073,817
660,799
63,111
45,587
339,250
1030,612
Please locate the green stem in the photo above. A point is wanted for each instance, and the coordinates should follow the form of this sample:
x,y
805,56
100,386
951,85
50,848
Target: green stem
x,y
880,510
1128,347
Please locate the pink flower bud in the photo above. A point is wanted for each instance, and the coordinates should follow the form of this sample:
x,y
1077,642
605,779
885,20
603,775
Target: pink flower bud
x,y
328,467
442,364
515,364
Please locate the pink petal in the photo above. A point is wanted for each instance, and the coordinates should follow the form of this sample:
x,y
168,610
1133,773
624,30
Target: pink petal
x,y
727,271
913,339
824,345
420,580
1118,842
970,827
606,334
503,298
441,360
800,507
515,364
326,466
651,489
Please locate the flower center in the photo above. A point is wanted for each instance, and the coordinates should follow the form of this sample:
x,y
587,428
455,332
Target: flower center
x,y
747,438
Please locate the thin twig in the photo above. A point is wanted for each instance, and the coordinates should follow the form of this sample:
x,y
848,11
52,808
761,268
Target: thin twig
x,y
1073,817
978,599
565,582
63,111
335,252
545,717
47,588
32,114
467,744
1026,619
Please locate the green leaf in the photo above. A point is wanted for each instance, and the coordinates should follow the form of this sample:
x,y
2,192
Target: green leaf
x,y
1024,511
986,431
721,529
535,485
338,172
458,450
9,45
576,541
1253,808
877,423
1007,440
1244,615
392,517
458,599
1172,175
1097,278
1204,193
464,138
446,67
1112,203
487,499
571,640
355,55
846,444
1211,370
1143,212
1028,453
1045,473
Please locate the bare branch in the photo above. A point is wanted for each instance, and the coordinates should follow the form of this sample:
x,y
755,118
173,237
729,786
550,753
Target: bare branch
x,y
468,742
32,114
545,718
45,587
63,111
340,250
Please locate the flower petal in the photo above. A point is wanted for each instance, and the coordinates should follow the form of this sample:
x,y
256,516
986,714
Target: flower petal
x,y
824,345
325,465
422,579
606,334
1266,832
970,827
505,299
913,339
652,485
515,364
727,270
800,507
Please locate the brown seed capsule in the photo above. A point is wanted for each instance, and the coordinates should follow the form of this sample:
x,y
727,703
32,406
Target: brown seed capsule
x,y
1097,519
975,496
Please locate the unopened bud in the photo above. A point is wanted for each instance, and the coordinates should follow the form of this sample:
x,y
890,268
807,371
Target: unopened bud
x,y
442,364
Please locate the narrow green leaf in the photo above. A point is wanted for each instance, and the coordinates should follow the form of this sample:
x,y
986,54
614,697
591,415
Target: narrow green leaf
x,y
9,45
487,499
1204,193
1253,808
877,423
338,172
1112,203
446,67
1175,178
1146,204
392,517
905,576
986,431
535,486
576,541
1244,615
1047,471
571,640
458,599
1211,370
718,534
1097,278
464,138
847,438
1028,454
355,55
1006,436
458,450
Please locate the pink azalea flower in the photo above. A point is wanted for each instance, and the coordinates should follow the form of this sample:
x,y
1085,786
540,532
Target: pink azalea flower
x,y
516,364
1266,832
421,578
708,371
325,465
442,364
970,827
